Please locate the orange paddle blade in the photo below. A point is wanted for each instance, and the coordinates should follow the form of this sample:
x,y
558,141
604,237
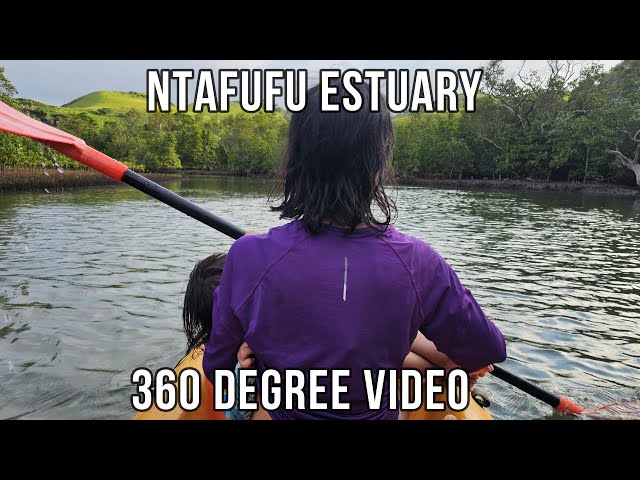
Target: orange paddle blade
x,y
13,121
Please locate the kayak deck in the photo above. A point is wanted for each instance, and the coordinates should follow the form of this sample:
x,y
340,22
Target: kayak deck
x,y
205,412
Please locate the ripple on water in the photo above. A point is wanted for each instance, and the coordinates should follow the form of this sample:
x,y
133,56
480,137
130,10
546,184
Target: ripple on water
x,y
91,284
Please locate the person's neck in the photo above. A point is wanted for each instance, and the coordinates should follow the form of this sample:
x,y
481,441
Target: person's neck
x,y
328,221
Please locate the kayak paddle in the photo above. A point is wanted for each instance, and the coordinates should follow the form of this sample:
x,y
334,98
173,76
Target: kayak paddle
x,y
13,121
620,410
560,404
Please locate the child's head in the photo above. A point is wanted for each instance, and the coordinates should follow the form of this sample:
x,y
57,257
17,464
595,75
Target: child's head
x,y
198,299
335,163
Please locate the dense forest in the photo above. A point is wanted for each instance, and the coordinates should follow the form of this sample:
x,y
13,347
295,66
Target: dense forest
x,y
572,122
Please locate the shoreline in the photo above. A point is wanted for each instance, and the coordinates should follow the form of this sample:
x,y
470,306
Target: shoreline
x,y
33,179
611,189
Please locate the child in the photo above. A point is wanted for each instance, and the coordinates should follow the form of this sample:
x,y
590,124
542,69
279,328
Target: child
x,y
197,306
336,287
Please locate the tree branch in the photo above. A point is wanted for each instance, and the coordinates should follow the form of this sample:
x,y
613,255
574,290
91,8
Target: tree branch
x,y
521,69
620,157
513,110
633,138
490,141
528,112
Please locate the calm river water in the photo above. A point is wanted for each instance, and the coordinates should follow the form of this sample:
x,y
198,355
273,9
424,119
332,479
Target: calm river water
x,y
91,285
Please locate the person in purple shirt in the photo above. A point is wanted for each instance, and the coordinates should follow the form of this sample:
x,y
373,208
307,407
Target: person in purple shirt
x,y
338,287
197,320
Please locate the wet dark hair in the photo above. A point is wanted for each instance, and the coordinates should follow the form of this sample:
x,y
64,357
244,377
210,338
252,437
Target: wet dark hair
x,y
198,299
329,167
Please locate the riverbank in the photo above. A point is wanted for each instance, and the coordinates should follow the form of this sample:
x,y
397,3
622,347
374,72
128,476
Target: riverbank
x,y
523,186
52,180
31,179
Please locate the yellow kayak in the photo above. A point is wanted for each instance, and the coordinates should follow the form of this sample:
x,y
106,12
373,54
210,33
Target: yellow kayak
x,y
204,412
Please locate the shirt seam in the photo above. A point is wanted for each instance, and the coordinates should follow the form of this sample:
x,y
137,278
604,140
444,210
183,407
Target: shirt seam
x,y
250,294
413,281
224,327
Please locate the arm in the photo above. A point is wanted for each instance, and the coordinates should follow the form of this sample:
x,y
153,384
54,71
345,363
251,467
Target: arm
x,y
427,349
453,320
424,354
227,333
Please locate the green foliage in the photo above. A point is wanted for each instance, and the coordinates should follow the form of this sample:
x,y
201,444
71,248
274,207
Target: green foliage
x,y
7,90
17,151
431,145
197,138
82,126
117,124
552,126
252,143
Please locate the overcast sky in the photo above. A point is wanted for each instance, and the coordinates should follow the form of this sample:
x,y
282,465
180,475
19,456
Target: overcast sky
x,y
57,82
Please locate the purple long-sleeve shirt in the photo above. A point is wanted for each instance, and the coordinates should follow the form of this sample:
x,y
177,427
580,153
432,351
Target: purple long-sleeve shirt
x,y
287,295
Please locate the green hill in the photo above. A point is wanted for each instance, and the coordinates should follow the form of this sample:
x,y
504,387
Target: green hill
x,y
106,101
110,102
103,106
50,113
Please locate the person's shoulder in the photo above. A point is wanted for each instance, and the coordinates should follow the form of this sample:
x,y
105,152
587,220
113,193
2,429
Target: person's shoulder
x,y
275,238
414,247
427,266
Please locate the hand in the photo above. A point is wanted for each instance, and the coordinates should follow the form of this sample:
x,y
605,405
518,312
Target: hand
x,y
245,356
475,376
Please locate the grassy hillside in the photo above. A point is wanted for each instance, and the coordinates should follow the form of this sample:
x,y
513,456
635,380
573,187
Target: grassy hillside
x,y
109,102
50,113
102,106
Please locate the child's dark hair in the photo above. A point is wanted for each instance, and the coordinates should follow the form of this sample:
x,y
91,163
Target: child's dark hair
x,y
333,161
198,299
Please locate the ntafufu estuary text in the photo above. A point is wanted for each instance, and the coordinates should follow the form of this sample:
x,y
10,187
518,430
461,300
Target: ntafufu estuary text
x,y
259,89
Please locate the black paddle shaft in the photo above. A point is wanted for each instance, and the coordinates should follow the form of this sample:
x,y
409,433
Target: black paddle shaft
x,y
526,386
158,192
185,206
